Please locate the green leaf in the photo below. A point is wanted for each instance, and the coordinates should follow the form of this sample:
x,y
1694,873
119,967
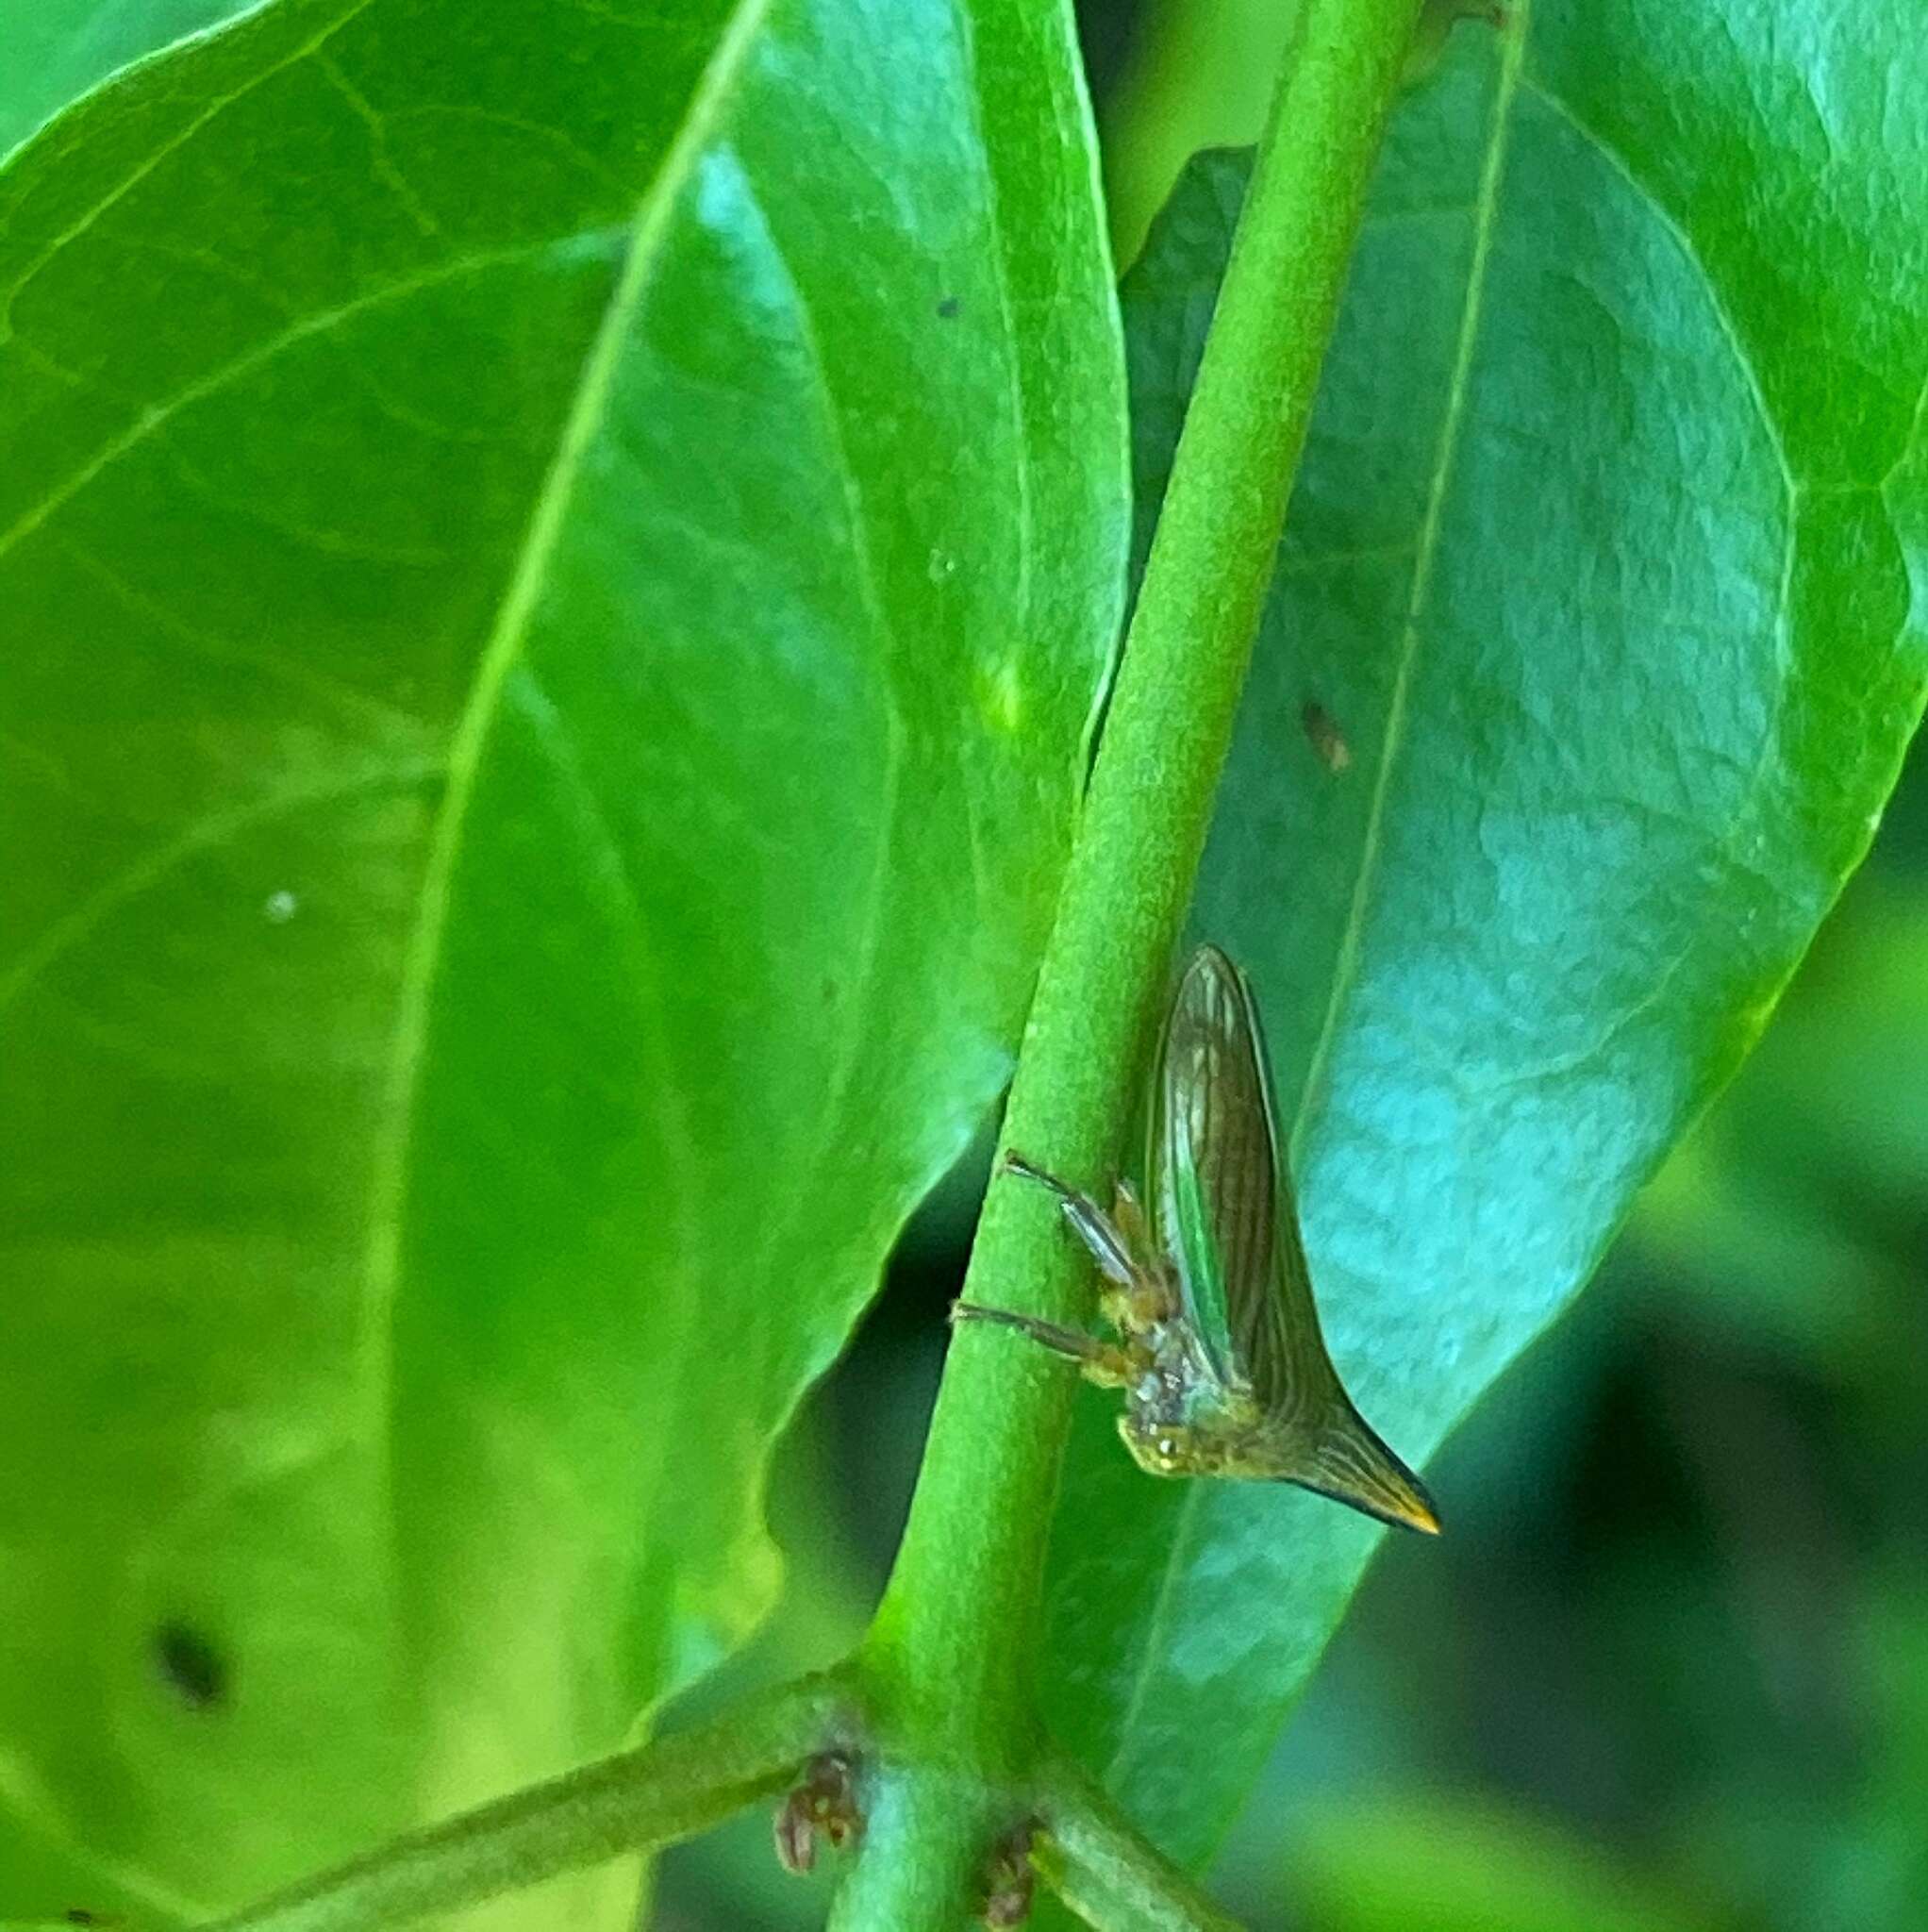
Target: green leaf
x,y
1385,1864
57,49
1607,563
558,566
57,1877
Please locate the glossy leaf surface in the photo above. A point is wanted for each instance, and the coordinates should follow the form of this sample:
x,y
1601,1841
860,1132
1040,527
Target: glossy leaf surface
x,y
1607,568
556,563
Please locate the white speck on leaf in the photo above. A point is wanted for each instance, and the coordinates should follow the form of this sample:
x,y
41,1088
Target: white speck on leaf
x,y
280,908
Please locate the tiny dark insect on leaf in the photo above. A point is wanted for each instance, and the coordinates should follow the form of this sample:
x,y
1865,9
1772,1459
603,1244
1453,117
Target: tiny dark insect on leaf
x,y
1219,1353
1327,738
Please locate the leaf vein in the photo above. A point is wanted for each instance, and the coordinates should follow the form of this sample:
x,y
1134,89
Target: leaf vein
x,y
220,650
204,835
1564,112
351,10
1486,203
382,160
871,595
156,416
618,876
1157,1627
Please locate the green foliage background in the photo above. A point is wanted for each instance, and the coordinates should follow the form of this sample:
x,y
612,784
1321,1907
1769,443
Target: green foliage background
x,y
1663,1673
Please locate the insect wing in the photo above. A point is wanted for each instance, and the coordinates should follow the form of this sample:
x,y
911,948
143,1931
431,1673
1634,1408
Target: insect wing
x,y
1223,1204
1212,1166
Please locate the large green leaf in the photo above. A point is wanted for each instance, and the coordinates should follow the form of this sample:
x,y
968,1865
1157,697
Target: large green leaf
x,y
556,566
1607,562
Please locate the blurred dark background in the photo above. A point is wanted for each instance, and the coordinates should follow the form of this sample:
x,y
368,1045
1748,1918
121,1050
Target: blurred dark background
x,y
1670,1671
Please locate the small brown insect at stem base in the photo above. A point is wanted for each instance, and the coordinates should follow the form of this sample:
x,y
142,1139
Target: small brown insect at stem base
x,y
1012,1882
824,1801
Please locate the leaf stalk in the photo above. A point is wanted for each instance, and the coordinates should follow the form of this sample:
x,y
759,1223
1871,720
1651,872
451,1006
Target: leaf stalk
x,y
1096,1860
635,1801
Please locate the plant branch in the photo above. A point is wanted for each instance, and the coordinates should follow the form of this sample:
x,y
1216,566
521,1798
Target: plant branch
x,y
635,1801
949,1656
1105,1871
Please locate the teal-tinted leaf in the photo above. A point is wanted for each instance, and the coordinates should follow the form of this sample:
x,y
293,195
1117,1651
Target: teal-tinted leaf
x,y
1607,563
56,50
556,563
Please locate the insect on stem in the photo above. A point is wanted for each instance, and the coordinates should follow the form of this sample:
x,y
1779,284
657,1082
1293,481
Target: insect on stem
x,y
1218,1351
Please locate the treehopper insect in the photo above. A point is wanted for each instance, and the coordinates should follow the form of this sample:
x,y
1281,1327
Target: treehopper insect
x,y
1219,1353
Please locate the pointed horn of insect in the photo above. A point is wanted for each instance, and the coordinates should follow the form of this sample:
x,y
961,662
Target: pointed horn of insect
x,y
1347,1461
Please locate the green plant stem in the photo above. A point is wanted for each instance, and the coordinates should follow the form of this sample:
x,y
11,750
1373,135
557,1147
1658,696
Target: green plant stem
x,y
948,1816
1097,1862
952,1645
634,1801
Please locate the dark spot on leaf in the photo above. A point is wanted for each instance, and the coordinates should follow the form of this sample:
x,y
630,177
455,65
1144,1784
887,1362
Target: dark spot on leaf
x,y
191,1667
947,308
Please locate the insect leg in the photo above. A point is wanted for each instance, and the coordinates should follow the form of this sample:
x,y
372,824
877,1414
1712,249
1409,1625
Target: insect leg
x,y
1101,1362
1128,1216
1150,1297
1093,1226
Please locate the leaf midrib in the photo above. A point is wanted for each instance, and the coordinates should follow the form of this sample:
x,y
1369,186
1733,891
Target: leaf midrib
x,y
499,655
